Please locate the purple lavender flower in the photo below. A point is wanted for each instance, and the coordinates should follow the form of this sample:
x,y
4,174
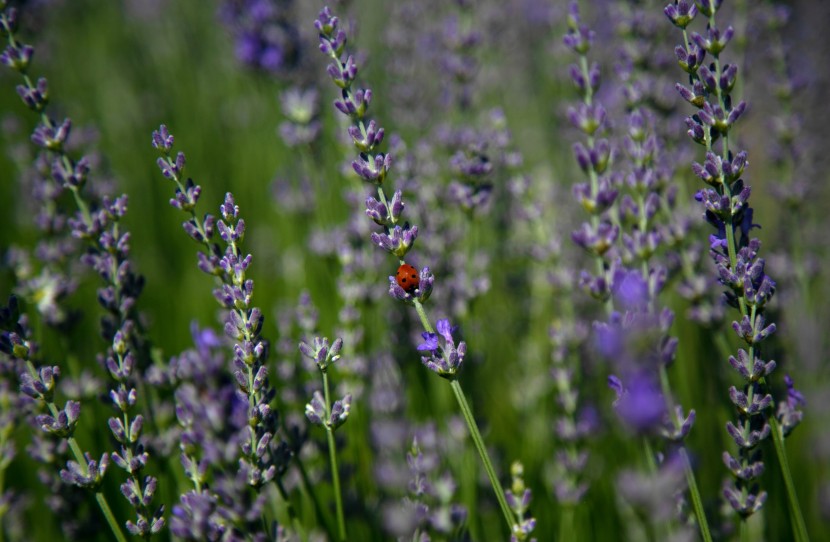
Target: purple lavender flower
x,y
640,403
251,441
301,109
429,507
735,252
265,34
572,426
444,358
659,496
624,235
97,223
374,168
212,426
260,448
38,384
459,65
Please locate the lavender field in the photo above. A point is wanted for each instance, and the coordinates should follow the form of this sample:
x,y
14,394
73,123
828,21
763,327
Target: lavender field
x,y
414,270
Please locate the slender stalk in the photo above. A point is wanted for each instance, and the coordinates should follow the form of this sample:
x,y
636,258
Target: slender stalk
x,y
108,515
335,473
473,428
566,525
2,485
697,502
796,517
694,492
482,451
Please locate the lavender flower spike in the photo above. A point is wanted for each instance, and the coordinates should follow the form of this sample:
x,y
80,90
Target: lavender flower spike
x,y
741,270
98,224
39,384
396,239
260,449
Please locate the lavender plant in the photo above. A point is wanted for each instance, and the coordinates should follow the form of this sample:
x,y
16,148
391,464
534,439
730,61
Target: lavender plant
x,y
259,457
443,357
623,237
736,255
97,223
39,385
321,411
429,508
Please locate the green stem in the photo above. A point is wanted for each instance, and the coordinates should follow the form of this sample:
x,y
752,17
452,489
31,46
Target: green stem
x,y
335,474
796,517
2,512
744,529
694,492
107,511
423,317
471,425
566,524
697,502
482,452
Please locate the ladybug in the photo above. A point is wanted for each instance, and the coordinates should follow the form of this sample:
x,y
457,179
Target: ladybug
x,y
407,278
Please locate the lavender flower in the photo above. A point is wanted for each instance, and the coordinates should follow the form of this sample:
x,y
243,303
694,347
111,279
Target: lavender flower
x,y
108,254
572,426
259,460
395,238
733,249
658,496
220,505
461,38
624,237
265,35
38,384
443,359
428,507
599,194
301,108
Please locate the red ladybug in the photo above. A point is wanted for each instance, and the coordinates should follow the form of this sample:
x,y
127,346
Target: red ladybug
x,y
407,278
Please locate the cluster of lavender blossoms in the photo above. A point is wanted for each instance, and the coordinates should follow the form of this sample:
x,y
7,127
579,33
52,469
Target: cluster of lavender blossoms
x,y
735,253
97,223
264,33
261,453
445,360
624,236
371,165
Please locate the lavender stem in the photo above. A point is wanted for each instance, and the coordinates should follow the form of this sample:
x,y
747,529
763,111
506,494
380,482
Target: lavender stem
x,y
799,527
335,473
473,428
